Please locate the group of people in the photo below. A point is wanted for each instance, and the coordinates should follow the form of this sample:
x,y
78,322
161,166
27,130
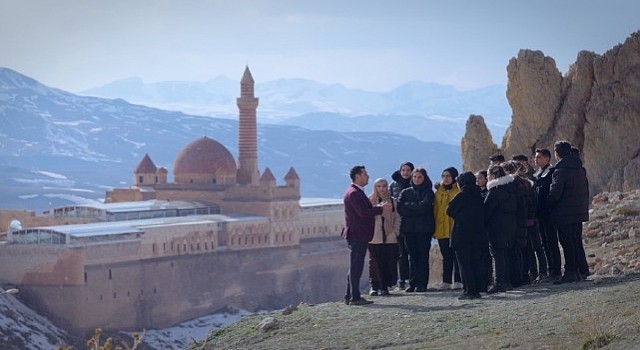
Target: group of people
x,y
496,229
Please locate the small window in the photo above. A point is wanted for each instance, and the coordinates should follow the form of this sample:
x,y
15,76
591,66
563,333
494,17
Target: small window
x,y
140,179
110,276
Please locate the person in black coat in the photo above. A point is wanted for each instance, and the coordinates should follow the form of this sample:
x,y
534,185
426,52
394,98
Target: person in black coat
x,y
519,254
468,236
569,209
415,206
548,231
583,266
500,209
401,180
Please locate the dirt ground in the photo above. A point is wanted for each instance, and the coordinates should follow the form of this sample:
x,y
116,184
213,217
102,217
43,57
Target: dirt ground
x,y
604,313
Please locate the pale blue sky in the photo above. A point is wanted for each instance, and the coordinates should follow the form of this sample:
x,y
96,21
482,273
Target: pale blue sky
x,y
374,45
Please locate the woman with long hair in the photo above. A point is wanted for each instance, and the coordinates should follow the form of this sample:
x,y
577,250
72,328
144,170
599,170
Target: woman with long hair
x,y
401,180
415,206
383,248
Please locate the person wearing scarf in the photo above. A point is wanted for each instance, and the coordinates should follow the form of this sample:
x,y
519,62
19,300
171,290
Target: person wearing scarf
x,y
447,189
383,248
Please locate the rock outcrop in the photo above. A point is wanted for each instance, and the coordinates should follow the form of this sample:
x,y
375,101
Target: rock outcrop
x,y
595,106
477,141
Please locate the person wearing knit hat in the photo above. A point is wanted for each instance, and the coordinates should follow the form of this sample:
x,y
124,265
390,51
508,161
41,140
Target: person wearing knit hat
x,y
444,194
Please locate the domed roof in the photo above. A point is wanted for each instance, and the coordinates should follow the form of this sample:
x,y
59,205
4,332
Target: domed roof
x,y
204,156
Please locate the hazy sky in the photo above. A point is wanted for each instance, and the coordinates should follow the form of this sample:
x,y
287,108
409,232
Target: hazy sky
x,y
374,45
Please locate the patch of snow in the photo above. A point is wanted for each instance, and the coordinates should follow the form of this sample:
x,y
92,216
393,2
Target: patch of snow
x,y
325,152
183,334
53,175
136,144
26,327
69,189
72,123
72,198
44,181
28,196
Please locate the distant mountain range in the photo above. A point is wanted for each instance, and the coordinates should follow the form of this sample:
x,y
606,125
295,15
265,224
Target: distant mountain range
x,y
58,148
427,111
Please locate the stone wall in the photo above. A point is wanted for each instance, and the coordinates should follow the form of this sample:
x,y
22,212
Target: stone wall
x,y
157,293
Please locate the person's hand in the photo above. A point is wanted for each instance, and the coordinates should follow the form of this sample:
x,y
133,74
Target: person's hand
x,y
386,206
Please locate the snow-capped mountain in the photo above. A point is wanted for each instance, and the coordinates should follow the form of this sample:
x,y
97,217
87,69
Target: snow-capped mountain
x,y
58,148
435,112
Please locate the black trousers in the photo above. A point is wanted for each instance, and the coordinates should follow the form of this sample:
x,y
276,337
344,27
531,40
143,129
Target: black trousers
x,y
537,254
357,255
500,262
472,268
449,262
418,245
567,237
403,261
581,256
549,236
514,265
383,260
488,262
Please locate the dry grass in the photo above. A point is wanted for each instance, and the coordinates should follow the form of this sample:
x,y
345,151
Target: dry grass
x,y
603,324
586,315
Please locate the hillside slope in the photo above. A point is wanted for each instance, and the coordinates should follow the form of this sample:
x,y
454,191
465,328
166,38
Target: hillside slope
x,y
603,310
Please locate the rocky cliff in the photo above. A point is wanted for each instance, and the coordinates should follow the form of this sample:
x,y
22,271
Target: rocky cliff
x,y
595,106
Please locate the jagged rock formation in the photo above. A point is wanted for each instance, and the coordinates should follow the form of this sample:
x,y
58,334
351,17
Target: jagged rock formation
x,y
595,106
478,142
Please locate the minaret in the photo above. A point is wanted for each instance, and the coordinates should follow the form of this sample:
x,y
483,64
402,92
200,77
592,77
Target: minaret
x,y
247,133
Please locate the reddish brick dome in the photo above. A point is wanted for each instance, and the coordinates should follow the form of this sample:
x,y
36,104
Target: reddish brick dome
x,y
204,157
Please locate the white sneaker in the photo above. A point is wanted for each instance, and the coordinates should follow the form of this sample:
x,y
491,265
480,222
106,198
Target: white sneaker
x,y
456,285
443,286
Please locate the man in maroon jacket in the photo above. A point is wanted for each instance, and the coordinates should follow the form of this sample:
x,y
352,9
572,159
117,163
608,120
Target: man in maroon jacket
x,y
360,221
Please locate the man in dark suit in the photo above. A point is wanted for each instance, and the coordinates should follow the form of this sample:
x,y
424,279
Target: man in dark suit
x,y
360,221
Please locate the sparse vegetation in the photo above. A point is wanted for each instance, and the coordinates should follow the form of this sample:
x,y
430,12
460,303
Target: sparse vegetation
x,y
93,343
581,315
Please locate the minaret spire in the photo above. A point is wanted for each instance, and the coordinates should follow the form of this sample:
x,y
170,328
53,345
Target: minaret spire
x,y
247,132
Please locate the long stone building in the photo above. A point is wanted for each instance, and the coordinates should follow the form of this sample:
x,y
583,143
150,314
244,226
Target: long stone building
x,y
157,253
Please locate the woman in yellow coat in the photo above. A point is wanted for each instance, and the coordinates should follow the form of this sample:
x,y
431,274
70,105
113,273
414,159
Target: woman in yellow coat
x,y
445,192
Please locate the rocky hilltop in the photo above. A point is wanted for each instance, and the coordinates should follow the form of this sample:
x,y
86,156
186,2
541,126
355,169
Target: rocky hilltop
x,y
595,106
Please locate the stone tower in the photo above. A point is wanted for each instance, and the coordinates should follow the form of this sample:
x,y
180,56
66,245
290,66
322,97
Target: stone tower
x,y
247,133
